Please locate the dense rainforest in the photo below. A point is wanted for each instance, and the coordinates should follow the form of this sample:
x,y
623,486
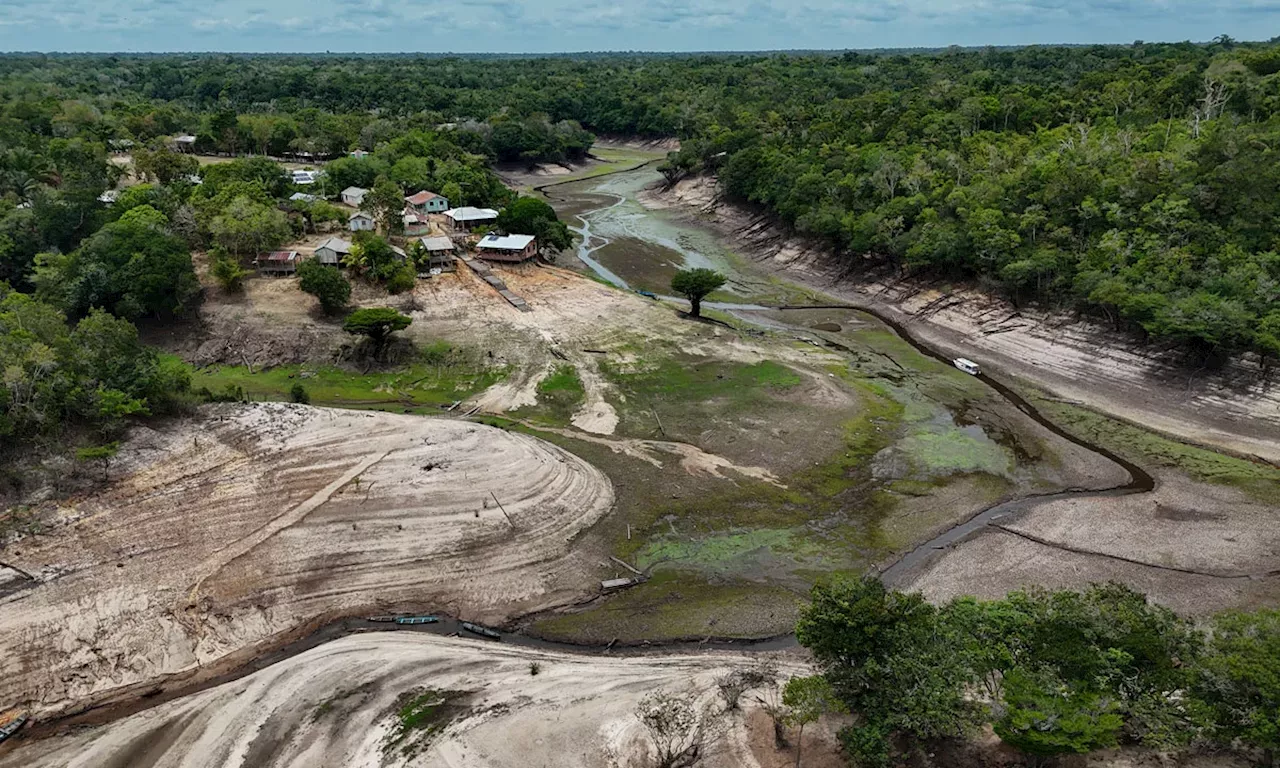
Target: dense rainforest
x,y
1138,183
1134,182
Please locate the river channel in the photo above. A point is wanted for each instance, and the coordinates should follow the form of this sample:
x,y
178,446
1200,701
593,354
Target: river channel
x,y
636,248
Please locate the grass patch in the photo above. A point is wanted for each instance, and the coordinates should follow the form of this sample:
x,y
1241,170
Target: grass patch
x,y
680,605
421,715
440,377
560,393
1142,446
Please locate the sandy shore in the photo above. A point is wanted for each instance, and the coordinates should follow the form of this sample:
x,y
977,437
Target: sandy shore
x,y
223,531
337,706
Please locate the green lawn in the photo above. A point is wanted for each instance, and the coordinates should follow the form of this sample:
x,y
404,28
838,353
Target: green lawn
x,y
419,386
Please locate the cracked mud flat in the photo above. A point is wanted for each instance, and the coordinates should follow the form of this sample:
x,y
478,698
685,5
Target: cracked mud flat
x,y
336,706
226,530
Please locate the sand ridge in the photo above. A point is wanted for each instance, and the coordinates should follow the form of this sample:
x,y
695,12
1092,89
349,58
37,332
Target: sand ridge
x,y
253,520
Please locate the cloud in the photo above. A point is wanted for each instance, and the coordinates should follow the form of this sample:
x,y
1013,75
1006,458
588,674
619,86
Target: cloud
x,y
551,25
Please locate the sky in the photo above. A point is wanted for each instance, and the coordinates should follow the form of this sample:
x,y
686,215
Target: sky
x,y
544,26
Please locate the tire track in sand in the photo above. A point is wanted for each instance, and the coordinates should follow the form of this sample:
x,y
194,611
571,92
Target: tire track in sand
x,y
243,546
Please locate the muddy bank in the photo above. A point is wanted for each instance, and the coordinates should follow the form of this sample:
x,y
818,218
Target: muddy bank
x,y
1233,409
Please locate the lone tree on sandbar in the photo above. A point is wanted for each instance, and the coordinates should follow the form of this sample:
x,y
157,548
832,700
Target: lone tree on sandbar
x,y
378,323
695,284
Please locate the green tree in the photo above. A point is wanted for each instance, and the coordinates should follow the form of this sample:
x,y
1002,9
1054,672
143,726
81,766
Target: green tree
x,y
377,324
1045,716
385,203
872,644
228,271
133,266
1238,681
806,700
298,394
164,165
246,227
326,284
531,216
695,284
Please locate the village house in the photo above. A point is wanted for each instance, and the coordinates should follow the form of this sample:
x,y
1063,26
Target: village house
x,y
361,222
358,154
332,251
440,254
415,223
354,196
302,197
513,248
278,263
303,178
467,218
427,202
184,143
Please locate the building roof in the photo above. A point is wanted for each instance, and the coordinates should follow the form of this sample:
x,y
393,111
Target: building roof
x,y
336,244
280,256
438,243
302,196
421,198
413,217
506,242
359,215
186,138
354,191
399,252
467,213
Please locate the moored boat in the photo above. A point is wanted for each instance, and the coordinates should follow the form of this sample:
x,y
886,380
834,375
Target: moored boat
x,y
11,721
492,634
417,619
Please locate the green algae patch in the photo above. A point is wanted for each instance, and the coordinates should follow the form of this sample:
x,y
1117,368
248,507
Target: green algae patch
x,y
955,451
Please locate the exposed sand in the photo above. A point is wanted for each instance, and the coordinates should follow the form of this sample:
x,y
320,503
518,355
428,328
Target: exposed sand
x,y
335,706
224,531
1194,547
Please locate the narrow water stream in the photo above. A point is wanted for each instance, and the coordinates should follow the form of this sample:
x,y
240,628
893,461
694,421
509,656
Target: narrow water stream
x,y
1139,480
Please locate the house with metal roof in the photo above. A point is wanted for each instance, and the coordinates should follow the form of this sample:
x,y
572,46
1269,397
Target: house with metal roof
x,y
467,218
511,248
278,263
332,251
415,223
427,202
441,254
354,196
361,222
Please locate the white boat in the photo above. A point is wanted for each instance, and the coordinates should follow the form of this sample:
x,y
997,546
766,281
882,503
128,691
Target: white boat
x,y
968,366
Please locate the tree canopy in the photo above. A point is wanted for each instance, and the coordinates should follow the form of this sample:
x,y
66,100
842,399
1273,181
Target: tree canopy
x,y
695,284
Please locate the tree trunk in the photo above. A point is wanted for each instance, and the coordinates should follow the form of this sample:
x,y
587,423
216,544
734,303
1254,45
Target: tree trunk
x,y
695,306
799,744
